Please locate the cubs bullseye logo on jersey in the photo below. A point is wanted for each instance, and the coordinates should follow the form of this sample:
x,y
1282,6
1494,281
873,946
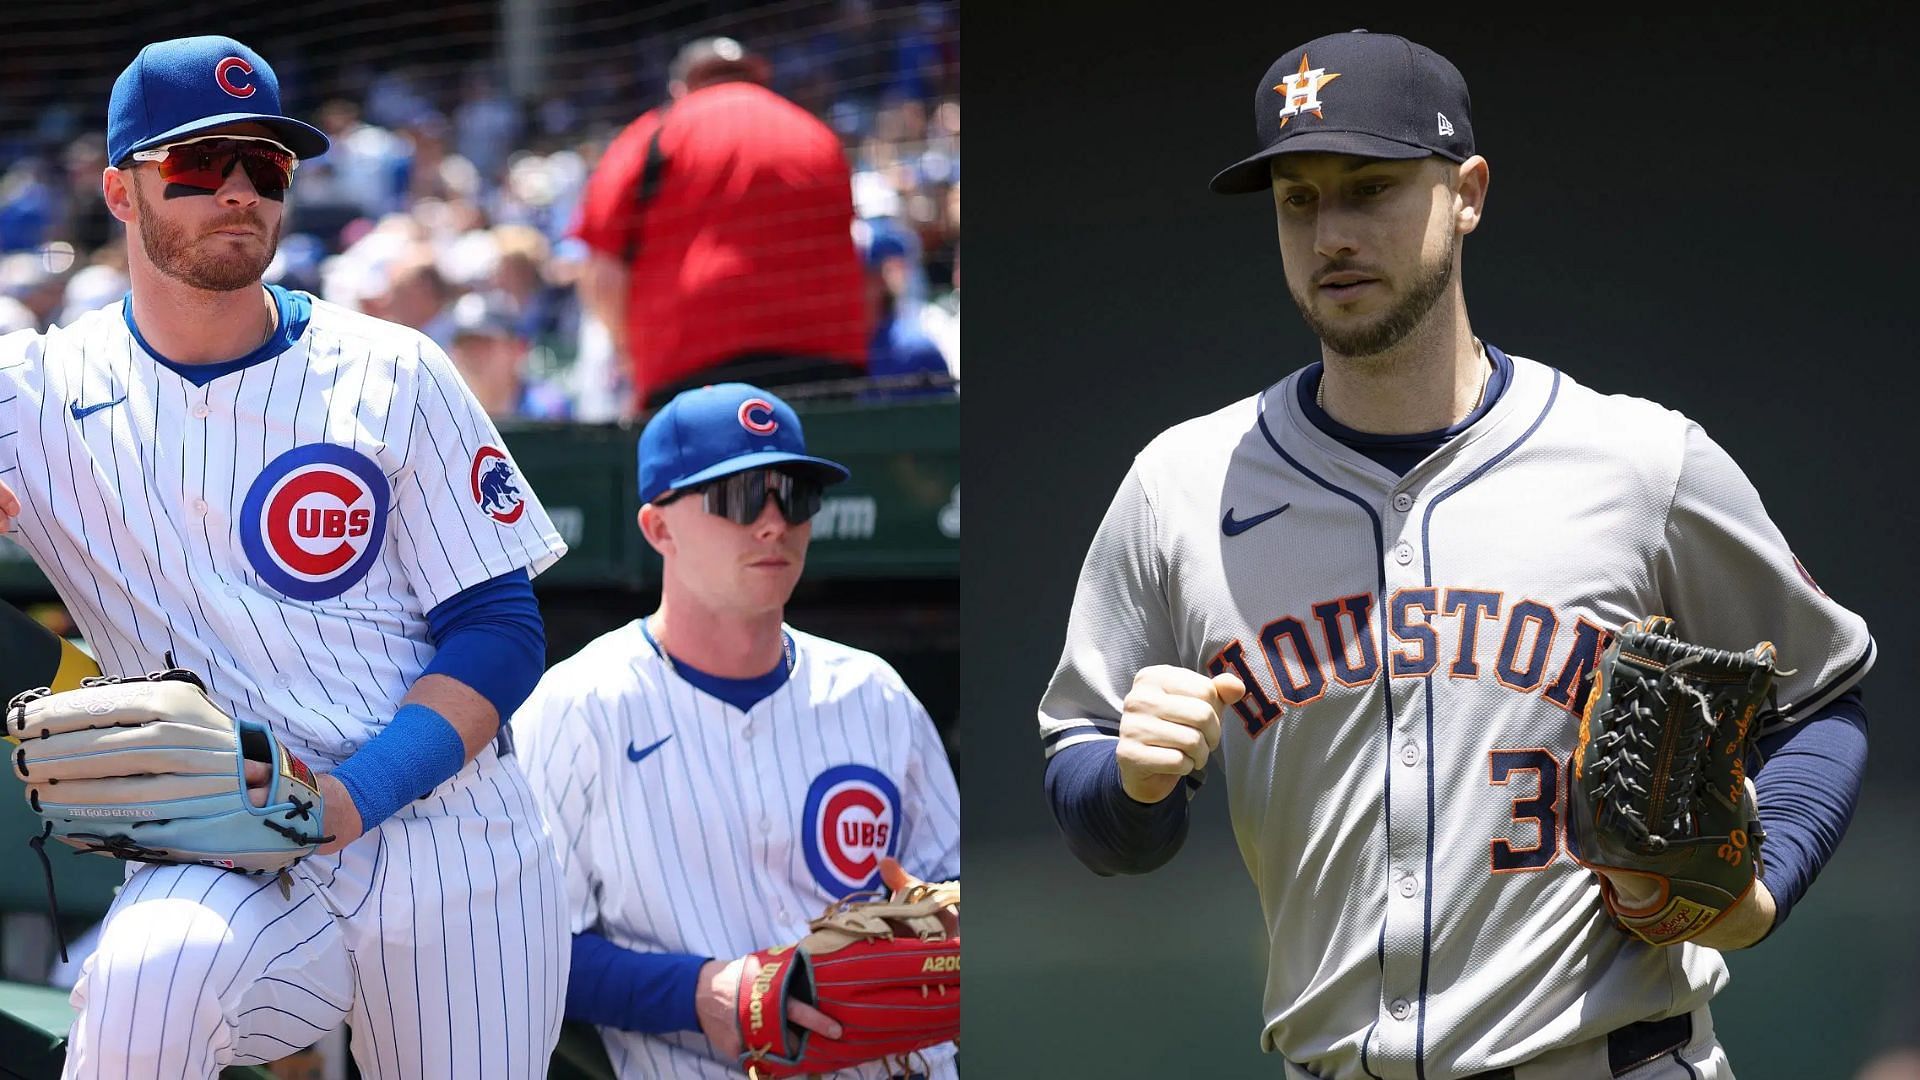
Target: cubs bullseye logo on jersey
x,y
231,74
851,819
313,520
495,490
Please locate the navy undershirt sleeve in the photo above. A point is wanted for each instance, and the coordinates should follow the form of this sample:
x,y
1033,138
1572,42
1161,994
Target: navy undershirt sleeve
x,y
1807,786
1105,828
491,638
634,991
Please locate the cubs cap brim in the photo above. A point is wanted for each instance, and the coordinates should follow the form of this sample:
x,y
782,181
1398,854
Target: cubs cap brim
x,y
1256,173
304,140
827,472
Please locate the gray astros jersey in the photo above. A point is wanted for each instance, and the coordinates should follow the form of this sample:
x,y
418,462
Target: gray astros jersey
x,y
1414,650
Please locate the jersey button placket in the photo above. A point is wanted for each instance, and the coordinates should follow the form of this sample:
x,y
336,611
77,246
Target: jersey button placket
x,y
1404,933
1404,923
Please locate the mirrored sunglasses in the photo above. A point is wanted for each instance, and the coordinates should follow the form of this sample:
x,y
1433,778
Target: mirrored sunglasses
x,y
740,497
205,163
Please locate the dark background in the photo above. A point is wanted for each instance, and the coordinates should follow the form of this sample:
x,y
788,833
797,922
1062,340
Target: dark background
x,y
1717,215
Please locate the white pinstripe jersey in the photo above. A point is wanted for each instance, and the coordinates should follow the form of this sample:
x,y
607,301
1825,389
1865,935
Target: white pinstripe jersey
x,y
1414,649
283,529
684,825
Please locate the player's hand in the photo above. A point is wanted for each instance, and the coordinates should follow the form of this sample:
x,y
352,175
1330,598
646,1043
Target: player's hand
x,y
1743,924
342,821
9,507
259,782
716,997
1169,725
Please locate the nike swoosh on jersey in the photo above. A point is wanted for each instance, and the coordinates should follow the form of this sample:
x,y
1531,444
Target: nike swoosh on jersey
x,y
81,412
636,755
1234,528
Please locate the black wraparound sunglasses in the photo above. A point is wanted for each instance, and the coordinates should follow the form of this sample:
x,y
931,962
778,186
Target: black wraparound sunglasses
x,y
741,496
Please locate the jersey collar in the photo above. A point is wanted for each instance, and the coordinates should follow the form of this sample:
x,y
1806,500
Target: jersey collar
x,y
293,309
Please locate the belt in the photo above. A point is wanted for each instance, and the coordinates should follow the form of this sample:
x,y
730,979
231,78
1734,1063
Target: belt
x,y
1632,1046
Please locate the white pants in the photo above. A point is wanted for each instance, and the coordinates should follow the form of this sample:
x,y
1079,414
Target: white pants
x,y
440,937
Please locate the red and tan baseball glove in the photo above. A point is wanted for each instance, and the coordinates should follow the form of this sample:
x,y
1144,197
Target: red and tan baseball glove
x,y
887,969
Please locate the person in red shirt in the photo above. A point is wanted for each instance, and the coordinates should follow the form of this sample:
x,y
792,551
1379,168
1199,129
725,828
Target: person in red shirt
x,y
720,226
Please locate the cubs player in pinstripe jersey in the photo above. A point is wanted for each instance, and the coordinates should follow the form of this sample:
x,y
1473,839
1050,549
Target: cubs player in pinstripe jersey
x,y
1377,591
305,506
714,778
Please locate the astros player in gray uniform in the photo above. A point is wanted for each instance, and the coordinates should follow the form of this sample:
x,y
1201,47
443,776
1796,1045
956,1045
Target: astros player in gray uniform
x,y
1376,590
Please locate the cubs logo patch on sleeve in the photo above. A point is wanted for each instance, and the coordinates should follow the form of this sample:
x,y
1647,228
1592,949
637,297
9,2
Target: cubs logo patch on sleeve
x,y
496,486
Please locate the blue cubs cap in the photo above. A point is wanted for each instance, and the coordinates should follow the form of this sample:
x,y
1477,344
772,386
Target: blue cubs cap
x,y
176,88
1372,95
708,433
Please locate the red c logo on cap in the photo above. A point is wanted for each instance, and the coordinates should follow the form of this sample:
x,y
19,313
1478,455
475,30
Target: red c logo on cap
x,y
223,74
756,415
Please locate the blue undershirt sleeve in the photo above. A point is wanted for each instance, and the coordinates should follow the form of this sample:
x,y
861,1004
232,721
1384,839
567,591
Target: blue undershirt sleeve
x,y
491,638
1105,828
634,991
1807,786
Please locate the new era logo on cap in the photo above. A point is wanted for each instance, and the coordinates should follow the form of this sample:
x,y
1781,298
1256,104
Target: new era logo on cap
x,y
1392,99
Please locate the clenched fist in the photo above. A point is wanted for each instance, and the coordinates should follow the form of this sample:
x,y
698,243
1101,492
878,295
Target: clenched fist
x,y
9,507
1169,725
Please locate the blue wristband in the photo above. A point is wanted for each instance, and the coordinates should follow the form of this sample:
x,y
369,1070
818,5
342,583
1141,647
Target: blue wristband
x,y
418,751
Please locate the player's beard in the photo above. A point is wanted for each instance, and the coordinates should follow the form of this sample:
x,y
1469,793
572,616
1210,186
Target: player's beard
x,y
1390,327
178,254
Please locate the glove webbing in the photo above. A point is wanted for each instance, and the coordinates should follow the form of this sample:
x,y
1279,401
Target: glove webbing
x,y
1628,755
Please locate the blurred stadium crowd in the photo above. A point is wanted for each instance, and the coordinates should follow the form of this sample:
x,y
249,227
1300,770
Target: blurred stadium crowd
x,y
446,204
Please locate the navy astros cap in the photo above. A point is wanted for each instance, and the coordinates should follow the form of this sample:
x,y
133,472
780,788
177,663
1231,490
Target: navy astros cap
x,y
714,431
1374,95
176,88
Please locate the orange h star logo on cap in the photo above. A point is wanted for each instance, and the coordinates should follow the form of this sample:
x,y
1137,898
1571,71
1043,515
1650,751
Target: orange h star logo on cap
x,y
1302,90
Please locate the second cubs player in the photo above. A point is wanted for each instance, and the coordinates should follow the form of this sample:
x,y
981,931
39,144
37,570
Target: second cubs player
x,y
307,507
1376,591
712,777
